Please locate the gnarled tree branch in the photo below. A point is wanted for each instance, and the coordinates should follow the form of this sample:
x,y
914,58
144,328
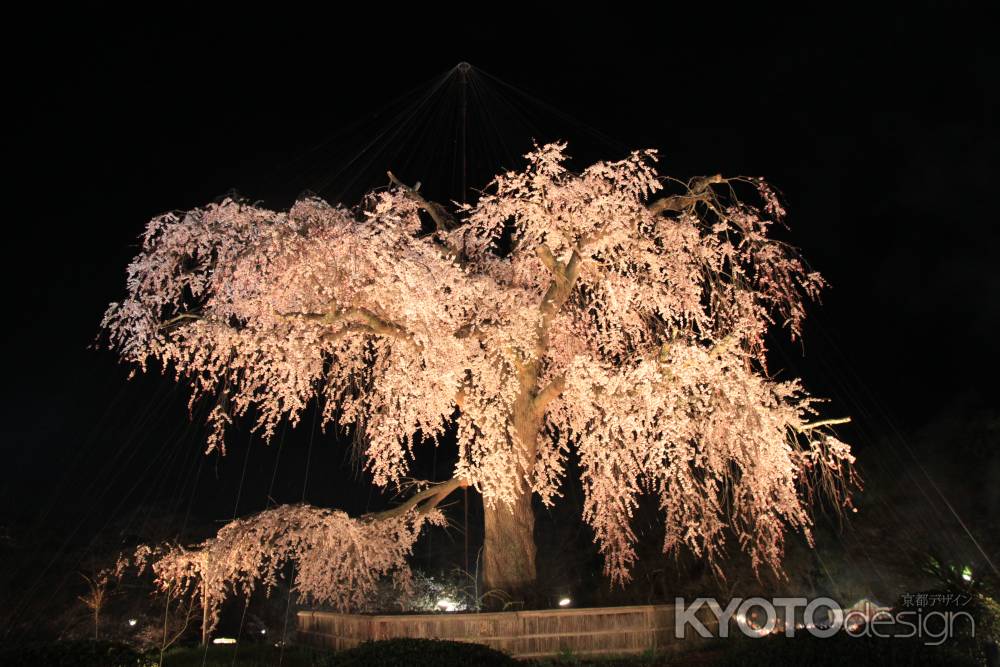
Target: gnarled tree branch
x,y
699,191
549,393
823,422
370,322
443,222
424,501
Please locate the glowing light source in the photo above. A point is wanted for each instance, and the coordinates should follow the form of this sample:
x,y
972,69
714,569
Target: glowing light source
x,y
223,640
565,602
967,573
263,631
132,622
445,604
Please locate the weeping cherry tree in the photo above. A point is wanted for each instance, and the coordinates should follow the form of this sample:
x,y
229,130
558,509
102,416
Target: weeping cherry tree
x,y
611,315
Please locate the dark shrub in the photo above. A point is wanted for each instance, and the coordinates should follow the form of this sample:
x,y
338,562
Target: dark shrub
x,y
242,655
842,649
419,652
79,653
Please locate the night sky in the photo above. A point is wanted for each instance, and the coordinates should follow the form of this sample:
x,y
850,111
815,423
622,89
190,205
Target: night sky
x,y
878,129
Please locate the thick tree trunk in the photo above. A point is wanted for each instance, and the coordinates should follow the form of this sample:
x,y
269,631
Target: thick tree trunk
x,y
509,541
509,552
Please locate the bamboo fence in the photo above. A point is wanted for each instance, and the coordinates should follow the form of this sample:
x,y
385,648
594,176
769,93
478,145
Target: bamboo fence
x,y
522,634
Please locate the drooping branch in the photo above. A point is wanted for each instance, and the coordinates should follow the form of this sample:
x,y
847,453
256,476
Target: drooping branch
x,y
424,501
443,222
823,422
349,328
370,323
178,319
699,191
554,266
674,203
564,276
549,393
377,324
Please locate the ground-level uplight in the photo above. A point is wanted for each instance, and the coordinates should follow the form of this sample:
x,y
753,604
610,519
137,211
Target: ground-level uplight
x,y
967,573
565,602
223,640
446,604
132,622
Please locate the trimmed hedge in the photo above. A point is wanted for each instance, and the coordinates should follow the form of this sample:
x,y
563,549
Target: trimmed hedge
x,y
842,649
390,653
242,655
420,653
78,653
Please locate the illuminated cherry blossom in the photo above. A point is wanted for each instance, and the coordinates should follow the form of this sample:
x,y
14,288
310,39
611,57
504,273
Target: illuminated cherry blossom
x,y
612,312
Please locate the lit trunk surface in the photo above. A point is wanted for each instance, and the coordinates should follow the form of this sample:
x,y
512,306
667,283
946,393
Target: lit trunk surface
x,y
509,550
509,539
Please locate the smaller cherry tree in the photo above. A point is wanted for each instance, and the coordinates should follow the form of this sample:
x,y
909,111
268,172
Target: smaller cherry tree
x,y
339,561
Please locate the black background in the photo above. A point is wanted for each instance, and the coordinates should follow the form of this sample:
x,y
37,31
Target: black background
x,y
876,124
